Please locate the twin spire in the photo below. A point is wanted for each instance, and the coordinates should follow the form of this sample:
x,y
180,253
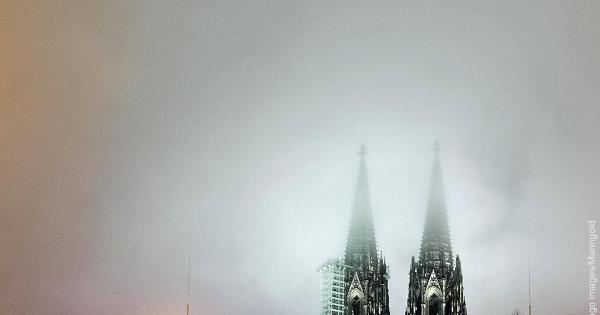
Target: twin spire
x,y
361,245
367,292
436,248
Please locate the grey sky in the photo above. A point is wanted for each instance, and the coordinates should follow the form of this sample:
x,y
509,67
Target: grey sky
x,y
138,133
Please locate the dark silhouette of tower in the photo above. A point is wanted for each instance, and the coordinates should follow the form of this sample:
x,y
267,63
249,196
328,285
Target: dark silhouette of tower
x,y
366,275
435,281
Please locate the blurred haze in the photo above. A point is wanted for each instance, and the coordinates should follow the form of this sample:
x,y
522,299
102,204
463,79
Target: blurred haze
x,y
138,133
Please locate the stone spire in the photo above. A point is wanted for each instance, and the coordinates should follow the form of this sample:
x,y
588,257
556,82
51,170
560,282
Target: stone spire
x,y
435,285
458,270
436,249
361,247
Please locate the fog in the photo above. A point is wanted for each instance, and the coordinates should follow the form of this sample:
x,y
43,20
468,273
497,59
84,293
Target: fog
x,y
138,133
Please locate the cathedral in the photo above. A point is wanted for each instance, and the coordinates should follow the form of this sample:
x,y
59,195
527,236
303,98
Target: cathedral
x,y
366,274
358,283
435,281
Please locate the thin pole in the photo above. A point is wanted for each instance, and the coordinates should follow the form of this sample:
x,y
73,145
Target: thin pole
x,y
188,286
529,285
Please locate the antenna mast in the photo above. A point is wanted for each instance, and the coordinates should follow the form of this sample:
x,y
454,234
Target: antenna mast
x,y
188,286
529,285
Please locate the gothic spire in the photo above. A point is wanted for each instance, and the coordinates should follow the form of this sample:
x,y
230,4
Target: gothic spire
x,y
458,271
436,250
361,245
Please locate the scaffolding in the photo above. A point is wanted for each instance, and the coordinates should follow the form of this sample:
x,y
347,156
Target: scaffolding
x,y
332,287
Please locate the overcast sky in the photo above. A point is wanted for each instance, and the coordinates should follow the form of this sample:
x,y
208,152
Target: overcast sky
x,y
138,133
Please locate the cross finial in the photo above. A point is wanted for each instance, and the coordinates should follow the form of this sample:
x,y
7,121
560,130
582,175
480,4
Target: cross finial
x,y
363,151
